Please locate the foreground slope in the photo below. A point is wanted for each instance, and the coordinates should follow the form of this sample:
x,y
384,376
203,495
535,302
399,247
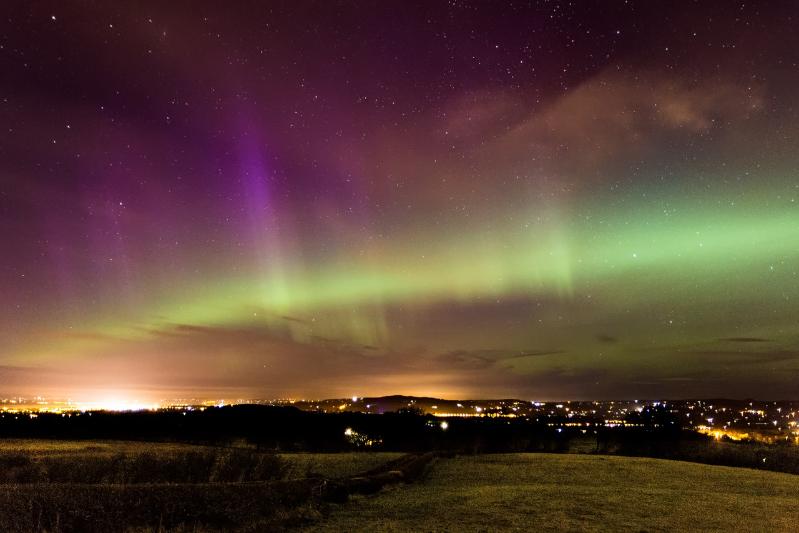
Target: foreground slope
x,y
543,492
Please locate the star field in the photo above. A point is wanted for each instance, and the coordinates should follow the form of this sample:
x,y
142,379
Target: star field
x,y
548,199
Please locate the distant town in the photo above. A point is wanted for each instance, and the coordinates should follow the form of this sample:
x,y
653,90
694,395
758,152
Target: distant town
x,y
763,421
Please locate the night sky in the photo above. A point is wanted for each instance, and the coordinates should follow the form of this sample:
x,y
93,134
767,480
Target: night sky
x,y
554,200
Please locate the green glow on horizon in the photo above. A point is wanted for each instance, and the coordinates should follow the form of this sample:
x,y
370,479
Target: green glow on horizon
x,y
690,243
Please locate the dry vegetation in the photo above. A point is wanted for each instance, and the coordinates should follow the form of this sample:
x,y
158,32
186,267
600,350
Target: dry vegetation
x,y
64,486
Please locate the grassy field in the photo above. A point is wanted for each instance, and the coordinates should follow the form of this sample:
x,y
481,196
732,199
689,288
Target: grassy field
x,y
297,465
49,448
540,492
100,485
334,465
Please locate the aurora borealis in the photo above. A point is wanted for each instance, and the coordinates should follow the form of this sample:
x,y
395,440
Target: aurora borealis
x,y
589,200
